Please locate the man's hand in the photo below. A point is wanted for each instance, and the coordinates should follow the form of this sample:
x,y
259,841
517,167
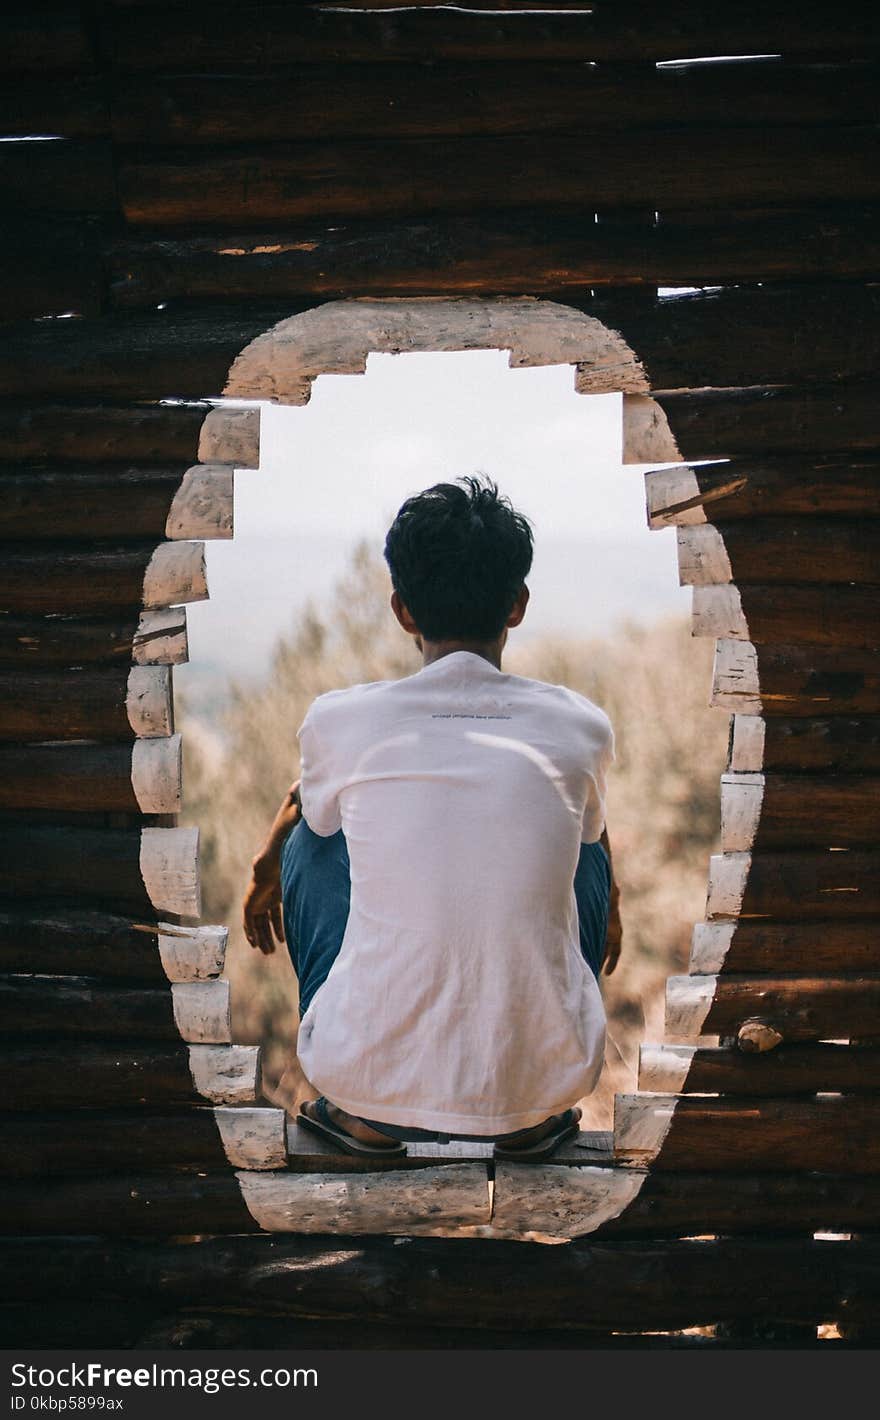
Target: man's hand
x,y
614,936
262,901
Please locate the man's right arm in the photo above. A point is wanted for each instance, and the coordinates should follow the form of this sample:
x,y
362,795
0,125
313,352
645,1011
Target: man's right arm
x,y
262,900
614,935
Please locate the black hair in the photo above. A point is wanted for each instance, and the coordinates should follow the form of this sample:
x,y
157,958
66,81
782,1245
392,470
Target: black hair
x,y
458,556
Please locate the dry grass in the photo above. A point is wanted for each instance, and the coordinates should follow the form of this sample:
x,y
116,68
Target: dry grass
x,y
662,801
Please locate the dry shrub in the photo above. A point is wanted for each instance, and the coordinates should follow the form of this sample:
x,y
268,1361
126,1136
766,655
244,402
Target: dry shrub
x,y
662,801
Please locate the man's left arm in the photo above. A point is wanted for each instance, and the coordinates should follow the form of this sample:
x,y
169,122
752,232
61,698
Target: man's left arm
x,y
261,911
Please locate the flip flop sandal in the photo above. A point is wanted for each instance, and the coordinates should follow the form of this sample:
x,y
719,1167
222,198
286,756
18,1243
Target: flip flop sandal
x,y
543,1148
324,1126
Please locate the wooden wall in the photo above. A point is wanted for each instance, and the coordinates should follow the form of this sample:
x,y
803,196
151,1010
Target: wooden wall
x,y
217,171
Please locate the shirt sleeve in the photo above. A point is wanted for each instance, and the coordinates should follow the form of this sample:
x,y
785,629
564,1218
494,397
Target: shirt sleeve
x,y
594,811
319,787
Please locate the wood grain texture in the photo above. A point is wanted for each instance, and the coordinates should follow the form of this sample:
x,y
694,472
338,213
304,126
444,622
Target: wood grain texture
x,y
116,502
154,637
790,1070
783,743
799,1008
803,884
100,703
808,948
77,578
749,488
92,432
430,1201
71,1074
765,550
795,811
68,776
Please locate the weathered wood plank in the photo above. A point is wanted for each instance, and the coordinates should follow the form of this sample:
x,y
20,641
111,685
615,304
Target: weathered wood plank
x,y
138,1075
210,39
474,1283
453,100
828,616
57,939
834,1134
78,1006
842,883
808,948
423,1201
780,550
153,637
78,108
145,776
795,680
796,1007
779,743
118,868
719,423
290,181
485,252
113,703
91,1140
94,432
116,502
789,1070
794,811
57,263
149,1204
749,488
68,577
40,41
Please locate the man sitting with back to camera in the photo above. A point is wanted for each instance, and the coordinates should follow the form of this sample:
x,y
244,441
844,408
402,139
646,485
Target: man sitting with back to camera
x,y
441,871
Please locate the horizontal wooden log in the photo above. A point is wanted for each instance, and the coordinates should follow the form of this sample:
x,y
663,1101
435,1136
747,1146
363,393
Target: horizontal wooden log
x,y
145,776
829,616
69,941
790,1070
192,953
780,550
430,1200
73,1074
724,423
57,263
795,680
806,948
151,1204
208,40
153,637
749,488
96,432
797,811
797,1008
60,175
120,868
486,252
113,703
78,1006
77,108
779,743
116,502
843,883
832,1135
38,41
726,167
476,1283
89,1141
61,577
452,100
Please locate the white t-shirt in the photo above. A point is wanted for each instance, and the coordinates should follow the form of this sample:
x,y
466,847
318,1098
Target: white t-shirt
x,y
459,1000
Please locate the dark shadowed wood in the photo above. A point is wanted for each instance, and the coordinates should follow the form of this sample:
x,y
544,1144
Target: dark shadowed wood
x,y
57,265
811,948
62,640
38,861
78,1006
64,940
426,100
39,40
70,577
841,810
838,743
151,1204
90,1141
496,253
725,168
788,1070
835,1135
94,431
749,488
77,108
799,1008
480,1283
207,38
66,777
830,617
802,550
717,423
810,680
845,884
65,705
156,356
72,1074
65,175
117,501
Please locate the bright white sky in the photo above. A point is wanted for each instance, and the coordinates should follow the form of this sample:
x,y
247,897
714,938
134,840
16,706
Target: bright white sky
x,y
338,470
